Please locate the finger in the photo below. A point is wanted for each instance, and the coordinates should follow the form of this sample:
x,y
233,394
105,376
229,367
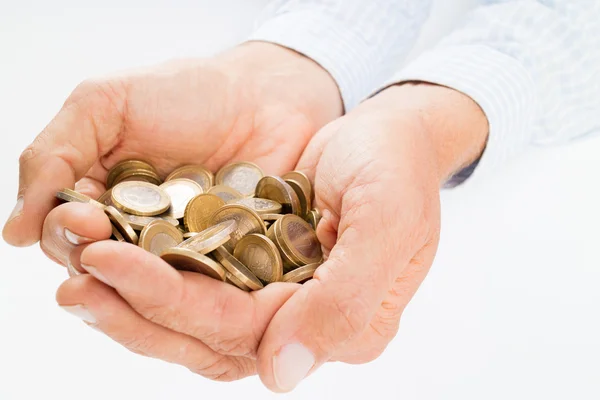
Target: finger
x,y
85,129
70,225
228,320
376,239
90,187
101,307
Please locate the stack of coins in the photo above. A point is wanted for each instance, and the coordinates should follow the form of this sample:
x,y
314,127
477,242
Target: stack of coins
x,y
238,226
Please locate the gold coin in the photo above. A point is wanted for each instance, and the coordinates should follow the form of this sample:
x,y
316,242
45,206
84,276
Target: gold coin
x,y
241,176
261,206
232,280
199,210
159,236
313,217
289,262
209,239
248,221
70,195
226,193
188,235
298,239
140,198
239,271
138,175
270,217
302,179
260,255
197,173
303,196
121,224
116,235
188,260
300,274
275,188
181,191
105,198
125,166
138,222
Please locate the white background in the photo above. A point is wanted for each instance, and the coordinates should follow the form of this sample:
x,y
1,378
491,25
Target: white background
x,y
510,309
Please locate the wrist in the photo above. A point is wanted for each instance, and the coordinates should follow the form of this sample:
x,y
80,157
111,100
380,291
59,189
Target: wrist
x,y
286,76
455,125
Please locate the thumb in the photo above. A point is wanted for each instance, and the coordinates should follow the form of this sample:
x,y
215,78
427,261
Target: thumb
x,y
376,238
85,129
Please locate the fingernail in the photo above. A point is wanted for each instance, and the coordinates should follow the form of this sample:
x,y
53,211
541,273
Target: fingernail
x,y
291,365
18,210
71,269
96,274
76,239
81,312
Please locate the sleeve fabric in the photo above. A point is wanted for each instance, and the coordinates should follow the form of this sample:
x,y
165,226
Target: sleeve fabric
x,y
360,43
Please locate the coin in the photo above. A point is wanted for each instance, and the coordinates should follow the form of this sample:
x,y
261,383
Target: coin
x,y
199,210
275,188
300,274
260,255
138,222
209,239
302,179
138,175
188,235
298,239
241,176
159,236
70,195
125,166
226,193
188,260
239,271
197,173
247,220
140,198
232,280
313,217
289,261
121,224
181,191
261,206
116,235
270,217
303,195
105,198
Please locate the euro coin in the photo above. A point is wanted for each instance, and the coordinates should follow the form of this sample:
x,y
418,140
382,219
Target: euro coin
x,y
181,191
159,236
188,235
70,195
199,210
261,206
240,272
226,193
313,217
105,198
302,179
270,217
303,196
297,240
288,260
189,260
209,239
247,220
276,189
140,198
138,176
121,224
300,274
116,235
232,280
241,176
197,173
138,222
125,166
260,255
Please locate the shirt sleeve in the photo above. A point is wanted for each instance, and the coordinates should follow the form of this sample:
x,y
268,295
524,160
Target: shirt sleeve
x,y
532,66
360,43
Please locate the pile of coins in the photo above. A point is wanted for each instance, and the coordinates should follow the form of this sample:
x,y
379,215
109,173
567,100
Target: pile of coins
x,y
238,226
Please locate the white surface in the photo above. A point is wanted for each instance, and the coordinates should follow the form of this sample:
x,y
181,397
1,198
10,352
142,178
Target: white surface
x,y
510,309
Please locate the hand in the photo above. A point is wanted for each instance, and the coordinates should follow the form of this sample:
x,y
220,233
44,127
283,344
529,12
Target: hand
x,y
377,174
258,102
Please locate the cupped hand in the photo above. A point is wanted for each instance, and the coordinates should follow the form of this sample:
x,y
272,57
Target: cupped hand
x,y
257,102
377,174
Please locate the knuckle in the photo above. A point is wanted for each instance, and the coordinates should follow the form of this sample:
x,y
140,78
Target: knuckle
x,y
143,345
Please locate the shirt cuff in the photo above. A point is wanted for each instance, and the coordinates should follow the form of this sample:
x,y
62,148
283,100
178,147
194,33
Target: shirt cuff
x,y
498,83
328,42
